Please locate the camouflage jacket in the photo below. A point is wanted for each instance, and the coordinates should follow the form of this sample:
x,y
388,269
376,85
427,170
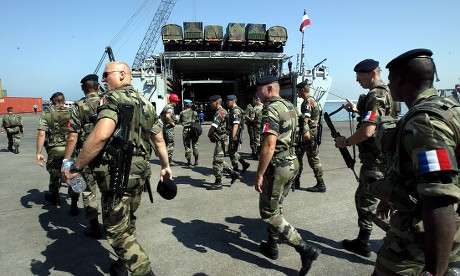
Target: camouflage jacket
x,y
257,115
83,116
280,118
248,113
188,117
168,109
219,121
235,116
143,124
371,106
55,123
310,111
11,122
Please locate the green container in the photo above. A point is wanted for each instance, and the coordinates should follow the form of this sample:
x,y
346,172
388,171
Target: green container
x,y
171,34
235,32
193,30
213,33
255,32
277,35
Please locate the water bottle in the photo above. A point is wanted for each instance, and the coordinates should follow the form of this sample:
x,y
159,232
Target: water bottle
x,y
78,183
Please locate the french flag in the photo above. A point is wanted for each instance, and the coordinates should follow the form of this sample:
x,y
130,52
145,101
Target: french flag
x,y
102,101
305,21
370,115
265,128
434,160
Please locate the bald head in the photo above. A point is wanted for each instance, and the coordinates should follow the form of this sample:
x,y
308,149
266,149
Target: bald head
x,y
116,74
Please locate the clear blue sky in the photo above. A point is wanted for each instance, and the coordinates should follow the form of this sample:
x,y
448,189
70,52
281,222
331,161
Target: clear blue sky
x,y
48,46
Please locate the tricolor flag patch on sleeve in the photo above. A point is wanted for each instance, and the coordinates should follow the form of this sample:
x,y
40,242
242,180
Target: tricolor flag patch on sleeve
x,y
265,128
370,115
434,160
102,101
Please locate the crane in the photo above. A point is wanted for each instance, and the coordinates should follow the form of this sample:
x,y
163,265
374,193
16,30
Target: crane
x,y
153,33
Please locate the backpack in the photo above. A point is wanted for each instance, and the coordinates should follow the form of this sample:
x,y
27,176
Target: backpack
x,y
195,131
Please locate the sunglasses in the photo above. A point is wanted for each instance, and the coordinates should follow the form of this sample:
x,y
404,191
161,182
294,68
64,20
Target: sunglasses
x,y
106,74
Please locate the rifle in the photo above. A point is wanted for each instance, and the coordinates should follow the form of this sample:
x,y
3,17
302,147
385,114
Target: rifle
x,y
148,189
344,151
298,149
121,149
320,129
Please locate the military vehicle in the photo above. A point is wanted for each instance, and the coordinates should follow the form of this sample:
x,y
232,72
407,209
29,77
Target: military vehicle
x,y
172,37
255,37
234,39
213,37
193,36
276,37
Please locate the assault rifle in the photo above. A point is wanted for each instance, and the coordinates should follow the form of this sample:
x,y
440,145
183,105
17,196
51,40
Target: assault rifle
x,y
121,150
344,151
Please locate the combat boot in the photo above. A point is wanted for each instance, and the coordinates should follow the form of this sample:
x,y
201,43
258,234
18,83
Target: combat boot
x,y
16,150
308,253
189,162
196,160
10,148
216,186
318,188
233,174
269,248
244,164
74,211
53,198
359,245
117,268
93,230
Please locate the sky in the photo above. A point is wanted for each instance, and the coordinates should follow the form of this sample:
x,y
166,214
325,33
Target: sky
x,y
49,45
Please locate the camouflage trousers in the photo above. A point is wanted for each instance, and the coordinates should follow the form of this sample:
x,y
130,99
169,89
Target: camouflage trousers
x,y
189,145
365,203
310,148
256,145
218,162
120,222
411,259
251,135
53,166
233,153
277,182
89,195
13,140
168,135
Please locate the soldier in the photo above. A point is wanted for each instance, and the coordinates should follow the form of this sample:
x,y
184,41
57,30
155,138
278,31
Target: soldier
x,y
52,134
424,238
257,124
248,120
83,116
277,169
12,123
168,118
310,112
235,127
188,116
370,107
119,210
217,134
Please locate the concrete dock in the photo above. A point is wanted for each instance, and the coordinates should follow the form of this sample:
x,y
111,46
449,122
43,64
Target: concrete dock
x,y
200,232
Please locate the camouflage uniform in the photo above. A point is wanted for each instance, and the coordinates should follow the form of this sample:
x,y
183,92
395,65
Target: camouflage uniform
x,y
187,118
280,119
310,112
235,116
375,104
168,129
218,162
257,124
12,124
419,134
82,120
54,122
248,116
119,219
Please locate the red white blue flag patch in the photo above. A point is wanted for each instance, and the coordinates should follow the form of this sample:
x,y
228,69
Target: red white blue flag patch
x,y
102,101
265,128
434,160
370,115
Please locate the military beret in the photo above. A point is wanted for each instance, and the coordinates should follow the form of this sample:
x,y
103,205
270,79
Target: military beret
x,y
93,77
231,97
366,65
167,189
303,84
409,55
214,98
266,80
57,94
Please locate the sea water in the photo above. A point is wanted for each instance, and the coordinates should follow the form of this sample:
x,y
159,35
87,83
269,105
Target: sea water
x,y
343,115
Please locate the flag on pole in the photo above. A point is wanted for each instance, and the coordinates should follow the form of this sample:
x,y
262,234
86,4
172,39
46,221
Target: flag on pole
x,y
305,21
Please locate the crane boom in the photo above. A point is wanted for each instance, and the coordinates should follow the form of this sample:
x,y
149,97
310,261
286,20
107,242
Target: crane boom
x,y
153,33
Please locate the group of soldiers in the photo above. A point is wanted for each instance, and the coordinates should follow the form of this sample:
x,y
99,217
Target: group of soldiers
x,y
417,185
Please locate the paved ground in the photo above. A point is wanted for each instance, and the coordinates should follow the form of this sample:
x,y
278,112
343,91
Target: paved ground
x,y
200,232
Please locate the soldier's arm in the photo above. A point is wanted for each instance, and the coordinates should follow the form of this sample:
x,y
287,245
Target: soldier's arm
x,y
41,135
170,119
363,133
70,144
162,152
95,143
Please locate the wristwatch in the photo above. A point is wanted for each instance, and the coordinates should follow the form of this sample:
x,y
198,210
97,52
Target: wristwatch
x,y
73,169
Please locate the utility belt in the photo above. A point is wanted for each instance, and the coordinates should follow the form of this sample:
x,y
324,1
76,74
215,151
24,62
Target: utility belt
x,y
287,154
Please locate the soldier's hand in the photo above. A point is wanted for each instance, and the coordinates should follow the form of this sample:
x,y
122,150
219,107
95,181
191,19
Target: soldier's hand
x,y
340,142
384,210
258,183
350,106
41,159
166,173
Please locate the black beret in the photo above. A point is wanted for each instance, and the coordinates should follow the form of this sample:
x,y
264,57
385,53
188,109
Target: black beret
x,y
366,65
57,94
231,97
214,98
409,55
266,80
167,189
93,77
303,84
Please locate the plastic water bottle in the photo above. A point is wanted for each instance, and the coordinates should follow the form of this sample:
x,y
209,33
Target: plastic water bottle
x,y
78,183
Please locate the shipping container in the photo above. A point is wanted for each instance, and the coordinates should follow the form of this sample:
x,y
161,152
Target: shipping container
x,y
20,105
